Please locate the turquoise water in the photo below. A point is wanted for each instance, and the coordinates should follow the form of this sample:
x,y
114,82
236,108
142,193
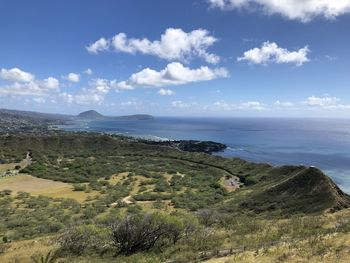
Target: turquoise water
x,y
324,143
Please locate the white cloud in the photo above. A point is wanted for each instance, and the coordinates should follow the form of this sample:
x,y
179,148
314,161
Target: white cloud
x,y
322,101
272,53
283,104
174,74
174,44
252,105
72,77
101,85
326,103
16,75
50,83
94,94
166,92
302,10
88,71
66,97
24,83
182,105
225,106
100,45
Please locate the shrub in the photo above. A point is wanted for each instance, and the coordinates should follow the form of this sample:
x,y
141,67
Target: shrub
x,y
137,233
78,239
79,187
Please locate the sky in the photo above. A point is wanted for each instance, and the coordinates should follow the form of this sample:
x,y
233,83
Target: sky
x,y
229,58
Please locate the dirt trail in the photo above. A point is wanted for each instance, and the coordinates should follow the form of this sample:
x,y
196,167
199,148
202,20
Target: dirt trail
x,y
127,200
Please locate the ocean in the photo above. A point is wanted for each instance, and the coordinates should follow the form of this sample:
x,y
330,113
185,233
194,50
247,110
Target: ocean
x,y
324,143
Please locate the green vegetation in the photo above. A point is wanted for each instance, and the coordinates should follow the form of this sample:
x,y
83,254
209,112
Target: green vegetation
x,y
150,203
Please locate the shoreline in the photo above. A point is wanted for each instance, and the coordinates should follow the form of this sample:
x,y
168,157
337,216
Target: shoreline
x,y
337,171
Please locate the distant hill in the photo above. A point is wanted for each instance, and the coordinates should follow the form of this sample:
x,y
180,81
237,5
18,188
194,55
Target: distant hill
x,y
91,114
94,115
32,115
15,120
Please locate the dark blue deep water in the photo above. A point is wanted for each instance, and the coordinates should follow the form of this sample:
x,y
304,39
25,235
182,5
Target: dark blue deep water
x,y
324,143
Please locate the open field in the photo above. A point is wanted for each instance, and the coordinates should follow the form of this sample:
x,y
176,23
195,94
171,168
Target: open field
x,y
38,186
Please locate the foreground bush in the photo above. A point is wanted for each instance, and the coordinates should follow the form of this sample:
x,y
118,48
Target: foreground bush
x,y
143,232
79,239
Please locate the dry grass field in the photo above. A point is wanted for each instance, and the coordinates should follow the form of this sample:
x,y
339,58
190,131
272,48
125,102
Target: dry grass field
x,y
337,246
38,186
10,166
24,251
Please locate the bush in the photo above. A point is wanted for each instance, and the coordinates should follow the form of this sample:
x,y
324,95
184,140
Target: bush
x,y
79,187
5,192
79,239
137,233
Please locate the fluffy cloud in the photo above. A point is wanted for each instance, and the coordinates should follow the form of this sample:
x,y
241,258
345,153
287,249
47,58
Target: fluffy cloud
x,y
321,101
326,103
50,83
166,92
272,53
174,74
292,9
24,83
16,75
100,45
94,94
72,77
174,44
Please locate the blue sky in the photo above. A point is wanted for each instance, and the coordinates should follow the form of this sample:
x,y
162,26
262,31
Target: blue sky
x,y
185,58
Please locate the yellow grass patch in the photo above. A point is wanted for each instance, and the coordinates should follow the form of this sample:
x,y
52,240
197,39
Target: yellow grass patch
x,y
11,166
116,178
22,251
38,186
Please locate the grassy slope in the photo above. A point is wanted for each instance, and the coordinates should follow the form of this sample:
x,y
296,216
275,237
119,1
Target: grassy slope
x,y
314,247
286,190
276,203
326,239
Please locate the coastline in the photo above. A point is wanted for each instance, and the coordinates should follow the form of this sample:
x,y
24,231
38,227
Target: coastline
x,y
281,142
